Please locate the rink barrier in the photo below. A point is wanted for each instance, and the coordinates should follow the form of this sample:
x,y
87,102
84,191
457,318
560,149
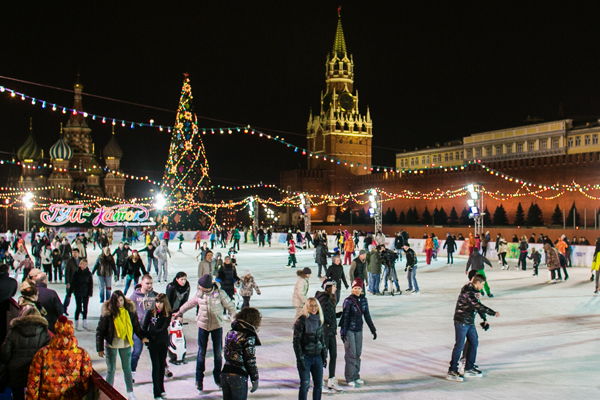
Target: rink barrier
x,y
102,390
581,256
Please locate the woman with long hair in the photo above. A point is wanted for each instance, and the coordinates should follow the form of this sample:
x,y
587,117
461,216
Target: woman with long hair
x,y
310,349
156,326
178,291
328,301
118,323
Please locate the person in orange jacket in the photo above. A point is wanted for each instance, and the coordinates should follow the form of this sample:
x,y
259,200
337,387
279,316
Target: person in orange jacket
x,y
472,243
348,250
429,248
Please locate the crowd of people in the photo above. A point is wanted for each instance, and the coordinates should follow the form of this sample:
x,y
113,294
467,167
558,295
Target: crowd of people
x,y
40,332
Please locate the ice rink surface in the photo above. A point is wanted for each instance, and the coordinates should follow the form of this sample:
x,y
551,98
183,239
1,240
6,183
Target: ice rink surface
x,y
544,345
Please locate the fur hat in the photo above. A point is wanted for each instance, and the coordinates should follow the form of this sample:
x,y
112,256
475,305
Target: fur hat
x,y
328,282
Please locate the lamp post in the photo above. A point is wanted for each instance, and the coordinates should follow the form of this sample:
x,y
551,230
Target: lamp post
x,y
159,203
375,209
27,197
476,207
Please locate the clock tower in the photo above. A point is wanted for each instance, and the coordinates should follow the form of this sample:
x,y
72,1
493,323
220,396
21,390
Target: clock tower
x,y
339,131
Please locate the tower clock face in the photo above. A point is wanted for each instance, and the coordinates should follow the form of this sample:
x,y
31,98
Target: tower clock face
x,y
346,101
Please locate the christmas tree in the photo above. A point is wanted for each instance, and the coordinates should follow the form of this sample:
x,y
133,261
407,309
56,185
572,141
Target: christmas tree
x,y
186,172
520,216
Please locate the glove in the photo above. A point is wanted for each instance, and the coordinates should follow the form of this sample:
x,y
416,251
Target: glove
x,y
343,338
325,363
405,269
301,365
254,386
374,335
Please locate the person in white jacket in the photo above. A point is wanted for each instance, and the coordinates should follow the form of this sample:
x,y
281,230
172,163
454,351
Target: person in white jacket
x,y
161,254
46,256
211,301
300,291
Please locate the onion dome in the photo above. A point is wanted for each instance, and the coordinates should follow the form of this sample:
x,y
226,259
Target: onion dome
x,y
112,149
93,167
61,150
30,151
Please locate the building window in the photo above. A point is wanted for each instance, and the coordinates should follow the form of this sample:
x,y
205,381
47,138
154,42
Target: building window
x,y
498,149
477,153
595,138
509,148
519,147
427,159
543,144
422,159
446,157
577,140
587,140
488,151
555,143
531,146
468,154
570,142
450,156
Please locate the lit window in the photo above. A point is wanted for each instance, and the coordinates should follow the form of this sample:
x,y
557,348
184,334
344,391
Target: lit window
x,y
531,146
595,138
498,149
555,143
570,142
577,140
588,140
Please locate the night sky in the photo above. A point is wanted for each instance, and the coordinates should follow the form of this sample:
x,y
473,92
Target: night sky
x,y
430,72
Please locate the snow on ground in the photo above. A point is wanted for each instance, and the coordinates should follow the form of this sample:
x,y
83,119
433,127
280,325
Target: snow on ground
x,y
545,344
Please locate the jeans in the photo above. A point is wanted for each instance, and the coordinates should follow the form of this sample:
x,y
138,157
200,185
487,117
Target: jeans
x,y
385,279
234,386
412,278
564,270
324,269
105,286
246,301
236,242
81,307
353,350
111,362
374,283
217,341
292,260
331,344
67,299
158,357
128,281
163,269
58,275
484,250
314,367
462,331
136,352
522,261
152,260
450,257
48,270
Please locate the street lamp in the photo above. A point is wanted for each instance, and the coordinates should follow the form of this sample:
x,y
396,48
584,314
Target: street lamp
x,y
475,204
159,203
375,209
26,199
304,203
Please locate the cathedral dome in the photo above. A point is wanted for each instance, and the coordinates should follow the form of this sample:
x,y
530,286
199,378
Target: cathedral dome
x,y
112,149
93,167
30,150
61,150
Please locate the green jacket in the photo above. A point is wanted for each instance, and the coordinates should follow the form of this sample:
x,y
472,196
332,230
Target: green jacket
x,y
374,262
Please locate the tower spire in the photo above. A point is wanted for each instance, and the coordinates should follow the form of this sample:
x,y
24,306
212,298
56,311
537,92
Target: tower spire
x,y
339,44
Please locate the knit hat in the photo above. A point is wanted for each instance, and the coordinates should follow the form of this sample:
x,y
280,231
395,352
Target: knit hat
x,y
35,271
307,271
206,281
246,272
328,282
357,282
362,252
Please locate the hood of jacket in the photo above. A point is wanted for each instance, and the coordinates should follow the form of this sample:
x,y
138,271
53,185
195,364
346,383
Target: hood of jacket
x,y
129,306
240,325
28,325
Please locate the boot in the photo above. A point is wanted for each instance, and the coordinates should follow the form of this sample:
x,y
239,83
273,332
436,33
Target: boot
x,y
76,325
85,325
332,384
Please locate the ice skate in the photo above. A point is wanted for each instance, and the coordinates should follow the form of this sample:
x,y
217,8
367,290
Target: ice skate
x,y
332,384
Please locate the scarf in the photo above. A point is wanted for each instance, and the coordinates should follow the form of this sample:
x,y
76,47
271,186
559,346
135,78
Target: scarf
x,y
123,326
312,323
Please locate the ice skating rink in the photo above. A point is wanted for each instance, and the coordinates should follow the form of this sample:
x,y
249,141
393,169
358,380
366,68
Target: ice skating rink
x,y
545,344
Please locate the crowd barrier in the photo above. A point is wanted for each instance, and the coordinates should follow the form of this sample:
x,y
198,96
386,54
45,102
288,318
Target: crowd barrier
x,y
581,256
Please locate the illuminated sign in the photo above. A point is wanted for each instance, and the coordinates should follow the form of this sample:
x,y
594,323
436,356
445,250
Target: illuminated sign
x,y
119,215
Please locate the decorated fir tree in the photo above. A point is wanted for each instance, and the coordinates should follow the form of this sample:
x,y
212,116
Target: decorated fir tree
x,y
186,172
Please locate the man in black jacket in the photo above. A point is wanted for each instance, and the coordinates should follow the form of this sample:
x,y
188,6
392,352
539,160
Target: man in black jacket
x,y
467,306
358,268
49,300
72,266
122,253
476,263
